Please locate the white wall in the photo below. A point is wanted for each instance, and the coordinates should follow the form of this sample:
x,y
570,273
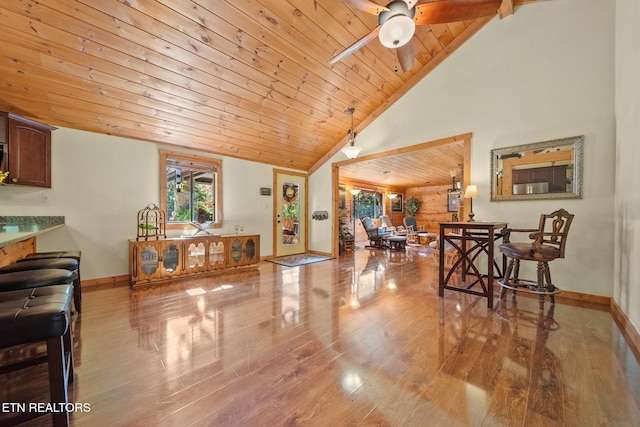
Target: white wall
x,y
100,182
544,73
626,290
320,232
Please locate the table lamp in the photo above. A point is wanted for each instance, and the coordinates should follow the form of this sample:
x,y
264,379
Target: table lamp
x,y
469,193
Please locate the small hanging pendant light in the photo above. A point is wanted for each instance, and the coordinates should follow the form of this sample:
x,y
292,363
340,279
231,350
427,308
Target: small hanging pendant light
x,y
351,150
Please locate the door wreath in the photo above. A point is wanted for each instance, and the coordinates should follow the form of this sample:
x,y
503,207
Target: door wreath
x,y
290,192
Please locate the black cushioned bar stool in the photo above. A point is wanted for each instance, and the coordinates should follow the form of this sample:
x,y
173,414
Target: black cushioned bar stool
x,y
34,315
34,279
61,254
54,254
69,264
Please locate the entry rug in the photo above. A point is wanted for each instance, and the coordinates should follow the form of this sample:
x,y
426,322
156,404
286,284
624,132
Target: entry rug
x,y
298,259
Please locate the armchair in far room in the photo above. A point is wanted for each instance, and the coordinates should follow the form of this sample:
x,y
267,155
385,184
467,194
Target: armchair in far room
x,y
386,223
412,237
410,221
374,234
423,236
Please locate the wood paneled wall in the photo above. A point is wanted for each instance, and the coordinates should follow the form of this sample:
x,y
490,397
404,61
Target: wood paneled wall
x,y
433,209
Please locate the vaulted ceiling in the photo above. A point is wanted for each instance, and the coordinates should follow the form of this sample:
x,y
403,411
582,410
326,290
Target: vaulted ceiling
x,y
243,78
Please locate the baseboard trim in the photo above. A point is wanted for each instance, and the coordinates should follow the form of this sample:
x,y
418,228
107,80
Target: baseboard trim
x,y
626,327
106,282
585,298
320,253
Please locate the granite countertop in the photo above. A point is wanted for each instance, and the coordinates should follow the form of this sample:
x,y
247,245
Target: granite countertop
x,y
14,229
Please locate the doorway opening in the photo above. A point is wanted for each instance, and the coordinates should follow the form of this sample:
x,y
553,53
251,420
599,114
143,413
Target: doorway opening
x,y
403,171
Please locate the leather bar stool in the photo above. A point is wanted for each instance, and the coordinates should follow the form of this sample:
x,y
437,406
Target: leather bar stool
x,y
62,254
54,254
34,315
69,264
34,279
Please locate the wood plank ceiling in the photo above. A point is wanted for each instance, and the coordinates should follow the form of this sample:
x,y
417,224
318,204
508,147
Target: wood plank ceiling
x,y
241,78
400,169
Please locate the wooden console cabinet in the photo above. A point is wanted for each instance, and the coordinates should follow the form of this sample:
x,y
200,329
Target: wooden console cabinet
x,y
153,261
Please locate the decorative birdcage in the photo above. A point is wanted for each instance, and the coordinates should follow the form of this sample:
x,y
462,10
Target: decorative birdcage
x,y
151,223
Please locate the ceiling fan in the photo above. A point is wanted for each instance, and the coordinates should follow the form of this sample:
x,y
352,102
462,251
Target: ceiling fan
x,y
397,22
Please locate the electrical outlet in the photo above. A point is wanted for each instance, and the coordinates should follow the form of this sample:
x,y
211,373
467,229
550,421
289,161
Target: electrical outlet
x,y
44,197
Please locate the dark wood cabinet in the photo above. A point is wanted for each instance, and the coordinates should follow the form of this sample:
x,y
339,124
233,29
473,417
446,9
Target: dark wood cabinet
x,y
25,150
556,176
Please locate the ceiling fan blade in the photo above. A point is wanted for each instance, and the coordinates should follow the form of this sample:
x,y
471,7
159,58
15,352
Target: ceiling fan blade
x,y
406,56
367,6
444,11
357,45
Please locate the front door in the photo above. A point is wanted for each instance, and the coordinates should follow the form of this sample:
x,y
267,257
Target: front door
x,y
291,212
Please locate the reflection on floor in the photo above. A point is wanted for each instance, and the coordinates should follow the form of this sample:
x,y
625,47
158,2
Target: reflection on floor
x,y
362,339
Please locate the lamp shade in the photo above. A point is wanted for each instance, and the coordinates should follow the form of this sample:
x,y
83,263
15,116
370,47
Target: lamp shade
x,y
397,31
351,151
471,191
354,191
392,196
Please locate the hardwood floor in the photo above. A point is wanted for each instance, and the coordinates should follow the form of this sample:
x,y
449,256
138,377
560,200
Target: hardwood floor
x,y
356,341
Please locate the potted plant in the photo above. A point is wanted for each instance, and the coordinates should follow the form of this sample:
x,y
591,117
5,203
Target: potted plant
x,y
412,204
290,214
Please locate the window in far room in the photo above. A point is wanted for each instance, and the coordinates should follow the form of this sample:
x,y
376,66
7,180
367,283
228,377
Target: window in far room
x,y
190,189
367,203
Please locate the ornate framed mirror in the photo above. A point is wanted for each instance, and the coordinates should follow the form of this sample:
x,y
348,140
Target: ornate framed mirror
x,y
541,170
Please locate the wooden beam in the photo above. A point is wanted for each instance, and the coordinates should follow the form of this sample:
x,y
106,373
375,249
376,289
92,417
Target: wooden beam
x,y
506,9
430,144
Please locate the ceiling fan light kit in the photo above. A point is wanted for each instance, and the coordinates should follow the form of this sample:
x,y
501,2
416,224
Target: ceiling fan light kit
x,y
396,24
397,32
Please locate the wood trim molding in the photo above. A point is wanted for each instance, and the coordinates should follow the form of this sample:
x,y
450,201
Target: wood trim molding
x,y
465,137
106,282
584,298
506,9
629,332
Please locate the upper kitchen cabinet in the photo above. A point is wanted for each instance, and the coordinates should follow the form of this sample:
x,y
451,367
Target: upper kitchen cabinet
x,y
25,150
